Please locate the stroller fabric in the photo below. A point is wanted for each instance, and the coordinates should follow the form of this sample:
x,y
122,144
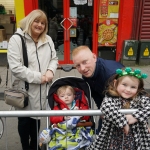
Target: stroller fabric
x,y
68,136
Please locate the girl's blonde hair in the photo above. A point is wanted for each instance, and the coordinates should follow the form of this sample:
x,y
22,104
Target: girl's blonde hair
x,y
25,23
112,88
62,89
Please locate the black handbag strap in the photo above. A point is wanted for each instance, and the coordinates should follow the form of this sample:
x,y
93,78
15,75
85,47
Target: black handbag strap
x,y
25,58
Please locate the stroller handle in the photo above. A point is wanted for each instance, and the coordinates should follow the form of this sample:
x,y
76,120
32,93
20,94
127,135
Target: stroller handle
x,y
66,68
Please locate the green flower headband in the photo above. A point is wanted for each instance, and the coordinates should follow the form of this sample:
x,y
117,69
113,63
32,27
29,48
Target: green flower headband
x,y
128,71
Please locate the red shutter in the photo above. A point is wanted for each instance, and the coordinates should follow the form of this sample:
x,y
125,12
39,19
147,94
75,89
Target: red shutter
x,y
145,21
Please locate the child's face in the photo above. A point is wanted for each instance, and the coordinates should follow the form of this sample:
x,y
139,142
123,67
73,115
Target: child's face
x,y
67,96
128,86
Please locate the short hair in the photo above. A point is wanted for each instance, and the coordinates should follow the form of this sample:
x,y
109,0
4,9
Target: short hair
x,y
26,22
78,49
63,89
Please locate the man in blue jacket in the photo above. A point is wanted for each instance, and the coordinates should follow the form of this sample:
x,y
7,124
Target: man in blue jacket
x,y
95,71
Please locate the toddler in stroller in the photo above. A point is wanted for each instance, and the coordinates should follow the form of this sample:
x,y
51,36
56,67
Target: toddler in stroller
x,y
68,132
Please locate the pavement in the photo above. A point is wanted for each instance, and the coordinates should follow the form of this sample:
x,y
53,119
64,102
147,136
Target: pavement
x,y
10,139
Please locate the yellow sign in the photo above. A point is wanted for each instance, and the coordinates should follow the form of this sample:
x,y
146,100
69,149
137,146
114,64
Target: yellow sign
x,y
146,52
109,8
130,52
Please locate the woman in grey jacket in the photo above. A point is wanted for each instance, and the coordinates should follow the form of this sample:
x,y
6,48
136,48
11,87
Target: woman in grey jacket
x,y
42,64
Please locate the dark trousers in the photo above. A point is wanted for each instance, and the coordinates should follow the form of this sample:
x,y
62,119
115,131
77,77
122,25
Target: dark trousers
x,y
27,128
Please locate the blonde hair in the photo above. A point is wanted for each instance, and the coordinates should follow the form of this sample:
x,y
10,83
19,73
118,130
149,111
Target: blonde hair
x,y
80,48
63,89
25,23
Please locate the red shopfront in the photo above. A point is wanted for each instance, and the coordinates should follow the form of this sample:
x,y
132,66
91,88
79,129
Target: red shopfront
x,y
100,13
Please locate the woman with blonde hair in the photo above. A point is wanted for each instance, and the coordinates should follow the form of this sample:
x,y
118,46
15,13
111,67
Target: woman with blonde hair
x,y
42,65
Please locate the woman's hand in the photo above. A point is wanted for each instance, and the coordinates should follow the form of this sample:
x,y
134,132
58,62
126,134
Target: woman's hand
x,y
126,129
131,119
43,79
49,75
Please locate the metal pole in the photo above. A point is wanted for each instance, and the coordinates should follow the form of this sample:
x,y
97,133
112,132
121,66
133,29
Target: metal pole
x,y
44,113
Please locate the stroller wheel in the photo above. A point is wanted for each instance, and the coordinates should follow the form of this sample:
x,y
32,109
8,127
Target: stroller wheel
x,y
1,127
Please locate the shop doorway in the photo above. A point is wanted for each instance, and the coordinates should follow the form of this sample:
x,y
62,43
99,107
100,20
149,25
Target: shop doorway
x,y
70,25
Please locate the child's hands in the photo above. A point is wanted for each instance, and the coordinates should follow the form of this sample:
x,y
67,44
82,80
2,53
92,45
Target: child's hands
x,y
44,136
66,117
126,129
148,128
131,119
76,108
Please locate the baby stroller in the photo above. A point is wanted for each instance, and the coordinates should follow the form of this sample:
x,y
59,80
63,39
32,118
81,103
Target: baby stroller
x,y
77,83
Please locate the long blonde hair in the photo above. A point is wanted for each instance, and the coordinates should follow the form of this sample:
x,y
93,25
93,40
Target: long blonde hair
x,y
25,23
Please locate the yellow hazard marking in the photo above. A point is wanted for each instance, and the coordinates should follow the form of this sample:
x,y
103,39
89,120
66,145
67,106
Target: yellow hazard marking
x,y
146,52
3,51
130,51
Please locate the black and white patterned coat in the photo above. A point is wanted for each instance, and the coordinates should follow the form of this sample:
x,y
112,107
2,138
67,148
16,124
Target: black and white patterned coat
x,y
113,118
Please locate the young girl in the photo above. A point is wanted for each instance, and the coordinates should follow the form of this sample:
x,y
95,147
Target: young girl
x,y
119,131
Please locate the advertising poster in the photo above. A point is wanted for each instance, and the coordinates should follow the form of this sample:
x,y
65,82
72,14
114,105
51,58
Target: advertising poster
x,y
109,9
107,32
108,22
103,8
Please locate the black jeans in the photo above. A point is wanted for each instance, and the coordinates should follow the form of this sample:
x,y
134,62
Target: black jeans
x,y
27,128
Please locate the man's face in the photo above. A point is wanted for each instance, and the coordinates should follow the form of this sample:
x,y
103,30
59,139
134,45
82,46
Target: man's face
x,y
85,62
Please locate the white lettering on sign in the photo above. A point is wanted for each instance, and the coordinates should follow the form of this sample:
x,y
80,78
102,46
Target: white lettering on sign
x,y
80,2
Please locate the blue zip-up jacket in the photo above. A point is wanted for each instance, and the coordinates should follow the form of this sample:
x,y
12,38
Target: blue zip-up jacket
x,y
103,71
